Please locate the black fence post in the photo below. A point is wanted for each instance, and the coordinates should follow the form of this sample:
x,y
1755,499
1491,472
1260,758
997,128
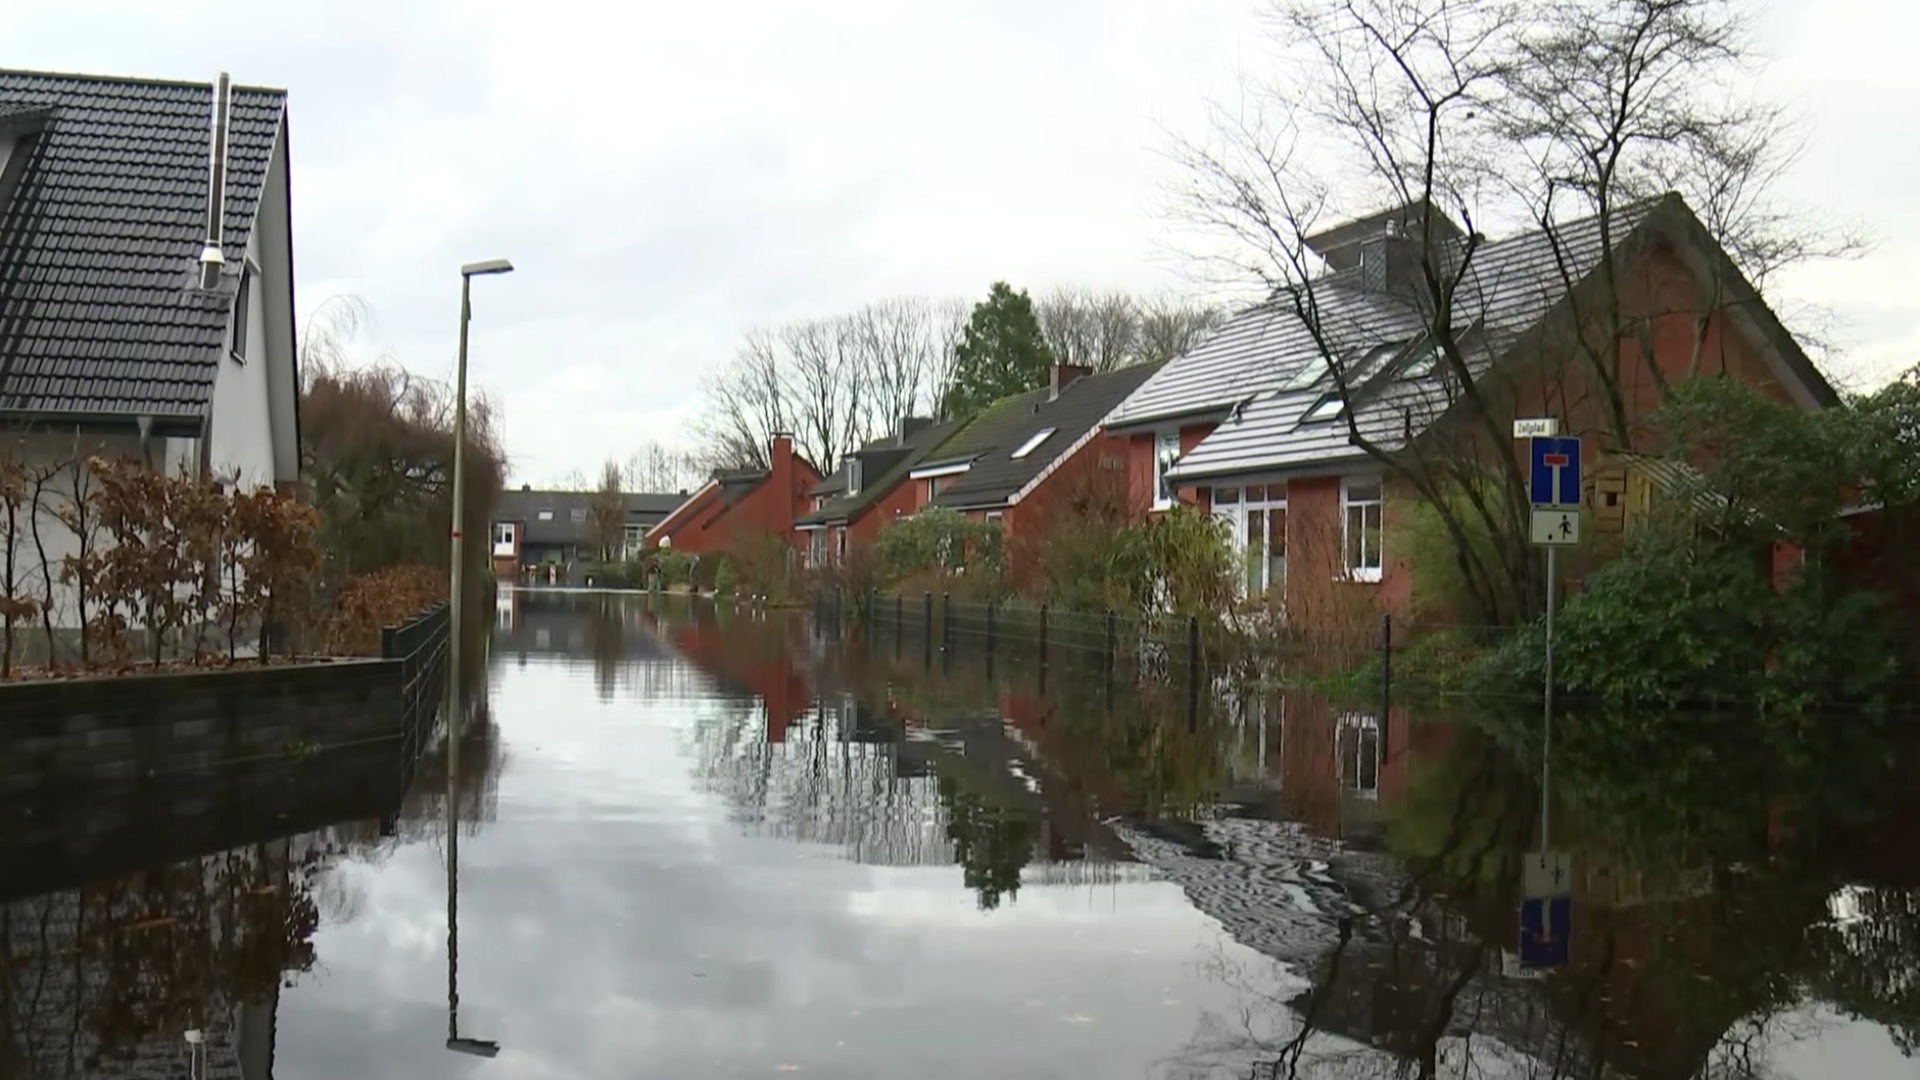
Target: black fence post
x,y
991,605
899,621
926,631
389,642
1110,643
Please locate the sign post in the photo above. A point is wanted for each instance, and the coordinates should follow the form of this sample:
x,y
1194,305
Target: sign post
x,y
1554,490
1546,911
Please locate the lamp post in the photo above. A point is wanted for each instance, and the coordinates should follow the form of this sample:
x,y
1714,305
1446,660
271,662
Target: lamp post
x,y
454,584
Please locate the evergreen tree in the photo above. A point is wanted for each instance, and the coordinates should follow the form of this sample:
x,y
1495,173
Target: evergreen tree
x,y
1001,352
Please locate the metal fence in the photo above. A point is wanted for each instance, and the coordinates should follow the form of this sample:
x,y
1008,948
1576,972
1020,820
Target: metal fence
x,y
1169,651
420,644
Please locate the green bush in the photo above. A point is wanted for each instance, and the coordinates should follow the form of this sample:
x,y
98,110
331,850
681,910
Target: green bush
x,y
1681,619
941,550
615,575
723,577
675,567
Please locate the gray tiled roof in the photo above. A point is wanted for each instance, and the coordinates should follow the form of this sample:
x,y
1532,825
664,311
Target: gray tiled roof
x,y
525,506
100,238
1241,373
990,440
887,464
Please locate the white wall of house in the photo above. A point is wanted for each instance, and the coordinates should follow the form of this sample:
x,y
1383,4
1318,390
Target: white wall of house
x,y
242,445
53,453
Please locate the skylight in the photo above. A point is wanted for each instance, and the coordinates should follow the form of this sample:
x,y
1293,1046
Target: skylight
x,y
1421,361
1329,407
1033,442
1304,379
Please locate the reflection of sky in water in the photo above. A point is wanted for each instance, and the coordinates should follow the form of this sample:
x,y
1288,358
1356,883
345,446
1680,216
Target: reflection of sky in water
x,y
662,890
614,920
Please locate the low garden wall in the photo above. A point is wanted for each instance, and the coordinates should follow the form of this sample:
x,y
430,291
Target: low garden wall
x,y
96,734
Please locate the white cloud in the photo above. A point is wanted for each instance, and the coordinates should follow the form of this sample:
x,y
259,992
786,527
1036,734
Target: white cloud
x,y
667,176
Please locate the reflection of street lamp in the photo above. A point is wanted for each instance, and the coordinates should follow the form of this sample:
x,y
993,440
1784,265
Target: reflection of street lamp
x,y
477,1047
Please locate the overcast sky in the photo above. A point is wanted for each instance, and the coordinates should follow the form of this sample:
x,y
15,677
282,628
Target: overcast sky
x,y
667,176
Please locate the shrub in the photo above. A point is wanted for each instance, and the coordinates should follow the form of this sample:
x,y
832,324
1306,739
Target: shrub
x,y
676,568
368,602
723,577
762,563
940,550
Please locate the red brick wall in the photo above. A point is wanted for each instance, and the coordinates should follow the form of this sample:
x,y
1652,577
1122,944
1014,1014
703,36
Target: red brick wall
x,y
768,510
903,499
1139,455
1095,473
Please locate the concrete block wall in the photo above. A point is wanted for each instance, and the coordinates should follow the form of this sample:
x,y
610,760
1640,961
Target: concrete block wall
x,y
100,734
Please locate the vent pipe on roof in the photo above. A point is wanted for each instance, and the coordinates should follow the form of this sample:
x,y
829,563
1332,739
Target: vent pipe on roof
x,y
212,259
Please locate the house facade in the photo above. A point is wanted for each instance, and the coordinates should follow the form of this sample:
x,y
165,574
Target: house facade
x,y
1258,427
1024,459
742,507
869,490
533,530
146,288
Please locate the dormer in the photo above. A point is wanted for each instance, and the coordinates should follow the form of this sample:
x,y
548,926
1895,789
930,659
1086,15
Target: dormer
x,y
1384,250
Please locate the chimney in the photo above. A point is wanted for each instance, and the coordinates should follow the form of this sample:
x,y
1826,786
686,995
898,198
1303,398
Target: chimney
x,y
526,487
780,464
1390,260
913,425
1063,376
212,260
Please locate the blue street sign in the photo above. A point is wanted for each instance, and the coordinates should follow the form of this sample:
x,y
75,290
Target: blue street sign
x,y
1556,472
1546,931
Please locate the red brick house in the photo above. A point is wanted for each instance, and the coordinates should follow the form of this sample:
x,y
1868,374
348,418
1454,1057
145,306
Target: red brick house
x,y
870,489
1021,461
741,507
1251,424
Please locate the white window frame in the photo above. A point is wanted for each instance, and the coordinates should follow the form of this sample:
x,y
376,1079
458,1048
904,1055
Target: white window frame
x,y
853,477
1361,571
1234,516
1163,492
1033,442
817,549
546,515
504,535
840,545
1354,735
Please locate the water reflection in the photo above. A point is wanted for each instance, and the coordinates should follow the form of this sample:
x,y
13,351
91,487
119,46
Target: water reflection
x,y
678,840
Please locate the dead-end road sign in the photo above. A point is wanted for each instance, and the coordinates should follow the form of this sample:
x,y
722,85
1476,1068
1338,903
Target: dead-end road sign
x,y
1556,472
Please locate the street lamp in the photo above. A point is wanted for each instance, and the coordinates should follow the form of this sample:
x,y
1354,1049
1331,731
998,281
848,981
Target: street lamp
x,y
467,274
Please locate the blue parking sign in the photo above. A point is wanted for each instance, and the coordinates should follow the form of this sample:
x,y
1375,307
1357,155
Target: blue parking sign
x,y
1555,479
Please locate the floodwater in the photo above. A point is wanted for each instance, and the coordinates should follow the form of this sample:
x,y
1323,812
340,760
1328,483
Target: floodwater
x,y
677,841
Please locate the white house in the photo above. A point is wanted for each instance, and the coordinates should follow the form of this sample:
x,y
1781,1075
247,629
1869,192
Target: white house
x,y
146,286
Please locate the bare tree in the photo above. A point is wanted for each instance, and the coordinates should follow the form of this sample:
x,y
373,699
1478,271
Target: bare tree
x,y
1170,326
659,468
746,406
607,512
899,354
1567,117
1097,330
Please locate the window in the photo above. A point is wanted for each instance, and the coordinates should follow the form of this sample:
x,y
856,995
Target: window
x,y
1309,374
817,553
1359,747
840,544
238,345
577,515
1361,503
853,476
546,515
503,537
1033,442
1329,407
634,538
1226,496
1166,451
1421,361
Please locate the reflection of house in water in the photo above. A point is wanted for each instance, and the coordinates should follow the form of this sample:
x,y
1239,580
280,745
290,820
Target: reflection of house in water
x,y
103,980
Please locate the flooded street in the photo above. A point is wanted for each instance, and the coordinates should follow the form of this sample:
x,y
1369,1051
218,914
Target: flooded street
x,y
689,842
